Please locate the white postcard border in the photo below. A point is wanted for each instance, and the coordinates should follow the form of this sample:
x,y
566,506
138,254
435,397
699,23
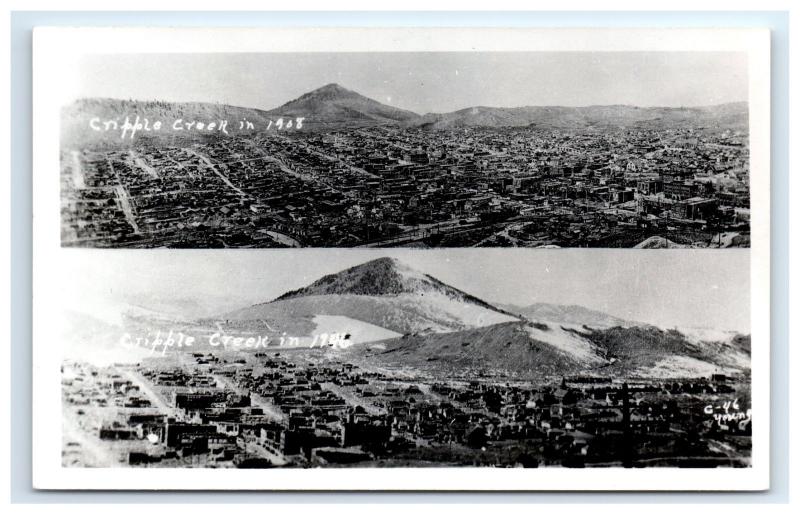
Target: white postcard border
x,y
55,51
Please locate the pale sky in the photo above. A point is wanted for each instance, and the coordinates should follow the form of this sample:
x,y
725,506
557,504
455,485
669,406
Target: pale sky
x,y
422,82
667,288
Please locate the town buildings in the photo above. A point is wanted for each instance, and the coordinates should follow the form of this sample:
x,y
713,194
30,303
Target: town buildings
x,y
399,187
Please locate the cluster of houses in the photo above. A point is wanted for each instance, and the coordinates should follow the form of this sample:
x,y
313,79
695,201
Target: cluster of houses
x,y
281,410
395,186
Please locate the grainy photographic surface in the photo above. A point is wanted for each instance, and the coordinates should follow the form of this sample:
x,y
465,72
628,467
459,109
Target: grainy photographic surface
x,y
423,359
453,149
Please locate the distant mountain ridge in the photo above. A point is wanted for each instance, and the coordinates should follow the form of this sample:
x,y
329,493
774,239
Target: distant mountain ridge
x,y
568,314
333,106
588,117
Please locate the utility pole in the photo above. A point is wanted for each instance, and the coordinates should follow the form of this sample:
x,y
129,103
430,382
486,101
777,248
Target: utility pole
x,y
627,434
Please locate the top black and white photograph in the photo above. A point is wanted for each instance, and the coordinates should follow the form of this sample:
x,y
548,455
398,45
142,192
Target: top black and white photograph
x,y
407,149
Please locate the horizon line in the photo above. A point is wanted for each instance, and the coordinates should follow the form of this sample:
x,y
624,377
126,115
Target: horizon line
x,y
143,100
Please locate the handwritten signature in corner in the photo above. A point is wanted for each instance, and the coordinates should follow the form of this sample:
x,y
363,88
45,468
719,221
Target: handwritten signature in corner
x,y
728,411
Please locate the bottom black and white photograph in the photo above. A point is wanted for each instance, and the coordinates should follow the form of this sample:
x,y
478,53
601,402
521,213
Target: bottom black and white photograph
x,y
418,359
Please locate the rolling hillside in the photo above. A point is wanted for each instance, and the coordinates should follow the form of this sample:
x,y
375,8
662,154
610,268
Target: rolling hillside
x,y
504,347
573,314
75,118
540,350
732,115
333,106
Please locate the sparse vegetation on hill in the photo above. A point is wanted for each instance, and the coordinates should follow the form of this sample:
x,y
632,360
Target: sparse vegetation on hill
x,y
575,314
76,118
386,293
502,347
383,277
333,106
730,115
645,346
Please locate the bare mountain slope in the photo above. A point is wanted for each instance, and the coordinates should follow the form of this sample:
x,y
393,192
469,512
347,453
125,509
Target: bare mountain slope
x,y
76,118
731,115
504,347
333,104
386,293
545,350
567,314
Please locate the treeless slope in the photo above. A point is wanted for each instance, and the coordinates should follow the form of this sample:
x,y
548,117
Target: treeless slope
x,y
539,350
386,293
334,104
730,115
502,347
639,348
75,119
404,313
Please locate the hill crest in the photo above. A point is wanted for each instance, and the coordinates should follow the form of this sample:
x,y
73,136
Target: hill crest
x,y
383,276
387,293
334,104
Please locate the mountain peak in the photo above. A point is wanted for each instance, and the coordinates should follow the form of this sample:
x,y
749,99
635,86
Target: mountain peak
x,y
330,90
334,104
388,277
385,262
383,292
332,87
383,276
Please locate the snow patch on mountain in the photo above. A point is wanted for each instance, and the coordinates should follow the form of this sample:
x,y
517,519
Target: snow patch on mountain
x,y
700,335
460,313
677,366
358,331
566,341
